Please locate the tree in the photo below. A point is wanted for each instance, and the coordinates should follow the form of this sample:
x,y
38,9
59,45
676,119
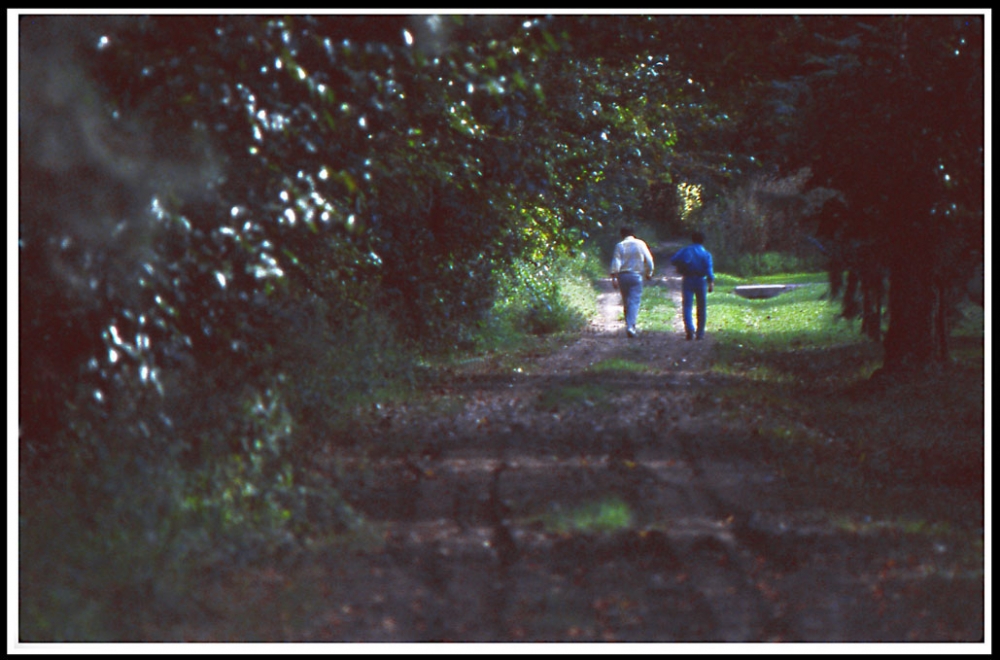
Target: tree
x,y
881,91
869,104
193,187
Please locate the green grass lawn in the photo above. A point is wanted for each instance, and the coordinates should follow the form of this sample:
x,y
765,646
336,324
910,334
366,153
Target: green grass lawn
x,y
801,319
657,310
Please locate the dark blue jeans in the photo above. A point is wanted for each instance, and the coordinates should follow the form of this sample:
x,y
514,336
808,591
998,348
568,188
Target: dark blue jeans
x,y
630,285
694,289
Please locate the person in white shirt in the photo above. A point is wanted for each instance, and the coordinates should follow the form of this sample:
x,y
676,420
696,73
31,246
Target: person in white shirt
x,y
632,261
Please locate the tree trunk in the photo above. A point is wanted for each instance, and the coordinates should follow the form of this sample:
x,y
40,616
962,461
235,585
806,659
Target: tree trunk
x,y
874,292
910,339
835,273
849,310
942,328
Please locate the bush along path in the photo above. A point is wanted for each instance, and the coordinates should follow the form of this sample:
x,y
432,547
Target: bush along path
x,y
581,496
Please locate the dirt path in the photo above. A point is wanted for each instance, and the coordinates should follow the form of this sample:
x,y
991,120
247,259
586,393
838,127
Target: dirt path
x,y
561,502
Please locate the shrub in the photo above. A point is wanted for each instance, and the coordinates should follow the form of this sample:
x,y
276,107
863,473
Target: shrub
x,y
149,494
765,213
773,263
540,299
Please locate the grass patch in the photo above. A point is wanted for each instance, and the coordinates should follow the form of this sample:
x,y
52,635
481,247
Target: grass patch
x,y
728,279
572,395
619,365
657,310
800,318
607,515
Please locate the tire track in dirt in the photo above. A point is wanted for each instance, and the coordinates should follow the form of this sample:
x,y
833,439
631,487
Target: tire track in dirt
x,y
554,459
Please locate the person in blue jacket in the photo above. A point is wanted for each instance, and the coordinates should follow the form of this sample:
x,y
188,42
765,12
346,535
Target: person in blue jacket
x,y
694,263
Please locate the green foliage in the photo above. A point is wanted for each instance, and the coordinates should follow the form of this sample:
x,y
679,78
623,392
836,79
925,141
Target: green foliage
x,y
608,515
327,365
749,224
121,528
543,297
241,214
772,263
786,277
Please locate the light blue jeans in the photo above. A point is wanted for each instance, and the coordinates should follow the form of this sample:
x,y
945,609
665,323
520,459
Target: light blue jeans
x,y
630,285
694,289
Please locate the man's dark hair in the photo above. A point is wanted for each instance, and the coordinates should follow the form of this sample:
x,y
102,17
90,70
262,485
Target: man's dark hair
x,y
697,237
627,231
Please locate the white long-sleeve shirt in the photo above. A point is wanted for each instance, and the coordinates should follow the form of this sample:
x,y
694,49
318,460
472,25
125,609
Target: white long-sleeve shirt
x,y
632,255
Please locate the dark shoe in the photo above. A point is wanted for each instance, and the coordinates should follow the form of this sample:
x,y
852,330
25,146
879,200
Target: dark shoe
x,y
699,337
631,332
689,336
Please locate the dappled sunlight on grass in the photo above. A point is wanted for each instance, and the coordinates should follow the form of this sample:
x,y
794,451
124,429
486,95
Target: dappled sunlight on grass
x,y
657,311
797,377
794,338
799,318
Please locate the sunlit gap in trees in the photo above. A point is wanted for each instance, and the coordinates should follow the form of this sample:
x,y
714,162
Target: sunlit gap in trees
x,y
690,195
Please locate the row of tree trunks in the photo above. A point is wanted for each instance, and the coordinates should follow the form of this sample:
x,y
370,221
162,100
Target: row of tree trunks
x,y
920,302
916,335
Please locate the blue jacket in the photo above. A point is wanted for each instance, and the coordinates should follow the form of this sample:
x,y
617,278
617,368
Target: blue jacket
x,y
694,261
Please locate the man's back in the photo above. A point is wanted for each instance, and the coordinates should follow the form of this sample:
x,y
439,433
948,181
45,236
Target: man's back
x,y
632,255
694,261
